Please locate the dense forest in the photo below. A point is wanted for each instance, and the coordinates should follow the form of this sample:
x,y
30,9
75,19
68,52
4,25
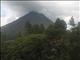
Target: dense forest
x,y
54,42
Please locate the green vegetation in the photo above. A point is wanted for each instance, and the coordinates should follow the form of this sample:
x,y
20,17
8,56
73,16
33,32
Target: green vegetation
x,y
39,43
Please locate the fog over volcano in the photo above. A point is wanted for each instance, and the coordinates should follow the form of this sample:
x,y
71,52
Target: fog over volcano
x,y
12,10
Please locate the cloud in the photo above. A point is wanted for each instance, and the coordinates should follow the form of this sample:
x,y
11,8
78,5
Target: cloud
x,y
51,9
20,8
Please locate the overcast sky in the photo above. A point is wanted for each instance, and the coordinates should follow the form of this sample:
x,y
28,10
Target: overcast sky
x,y
12,10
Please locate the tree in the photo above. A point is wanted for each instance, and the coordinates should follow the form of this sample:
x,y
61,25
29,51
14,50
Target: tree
x,y
79,24
42,28
32,47
28,28
60,24
60,27
75,43
72,23
57,30
56,33
50,32
36,29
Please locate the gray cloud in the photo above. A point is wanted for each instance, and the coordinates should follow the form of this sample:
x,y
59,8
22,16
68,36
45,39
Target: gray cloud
x,y
23,7
50,9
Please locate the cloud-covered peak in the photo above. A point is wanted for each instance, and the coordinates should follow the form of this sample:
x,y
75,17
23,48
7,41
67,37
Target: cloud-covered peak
x,y
51,9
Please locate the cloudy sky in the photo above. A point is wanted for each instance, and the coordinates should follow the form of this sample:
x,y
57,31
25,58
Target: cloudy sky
x,y
12,10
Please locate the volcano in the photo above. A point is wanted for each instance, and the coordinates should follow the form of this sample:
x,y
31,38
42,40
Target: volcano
x,y
12,29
